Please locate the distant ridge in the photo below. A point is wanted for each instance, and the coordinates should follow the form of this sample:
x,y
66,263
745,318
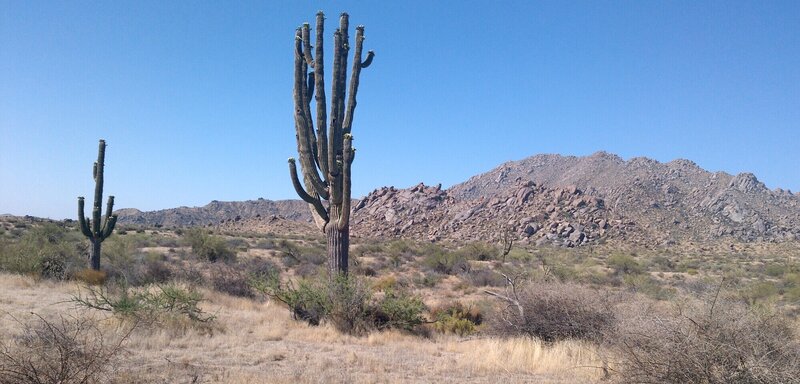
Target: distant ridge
x,y
550,199
217,212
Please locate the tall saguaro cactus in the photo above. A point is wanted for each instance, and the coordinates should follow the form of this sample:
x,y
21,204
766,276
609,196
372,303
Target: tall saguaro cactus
x,y
325,157
93,228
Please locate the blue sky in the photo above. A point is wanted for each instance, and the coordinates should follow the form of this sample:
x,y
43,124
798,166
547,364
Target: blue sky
x,y
194,98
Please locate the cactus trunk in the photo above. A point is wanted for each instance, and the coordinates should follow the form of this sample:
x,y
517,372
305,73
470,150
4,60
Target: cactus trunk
x,y
326,157
338,249
94,261
95,229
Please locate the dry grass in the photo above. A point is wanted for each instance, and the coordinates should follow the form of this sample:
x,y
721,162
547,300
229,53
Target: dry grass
x,y
259,342
570,361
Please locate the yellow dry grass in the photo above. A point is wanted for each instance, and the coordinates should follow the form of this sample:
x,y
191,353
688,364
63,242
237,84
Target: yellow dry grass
x,y
259,342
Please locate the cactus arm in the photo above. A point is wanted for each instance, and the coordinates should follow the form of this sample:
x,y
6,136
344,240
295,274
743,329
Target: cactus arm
x,y
109,206
298,187
98,187
344,26
368,61
354,79
334,140
310,88
304,142
110,221
322,118
307,45
82,219
344,216
109,227
335,125
308,91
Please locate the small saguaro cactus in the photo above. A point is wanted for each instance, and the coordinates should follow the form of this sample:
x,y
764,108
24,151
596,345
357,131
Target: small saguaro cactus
x,y
325,158
93,228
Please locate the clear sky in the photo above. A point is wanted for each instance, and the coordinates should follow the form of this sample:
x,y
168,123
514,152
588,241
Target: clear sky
x,y
194,97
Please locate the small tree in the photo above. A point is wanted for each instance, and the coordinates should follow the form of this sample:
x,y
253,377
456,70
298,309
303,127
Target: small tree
x,y
325,157
93,229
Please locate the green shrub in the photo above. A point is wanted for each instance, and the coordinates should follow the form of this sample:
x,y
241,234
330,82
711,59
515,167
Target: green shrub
x,y
347,303
167,304
649,286
399,310
209,247
758,292
427,279
294,254
308,301
664,263
624,265
47,251
443,261
265,244
385,283
456,318
479,251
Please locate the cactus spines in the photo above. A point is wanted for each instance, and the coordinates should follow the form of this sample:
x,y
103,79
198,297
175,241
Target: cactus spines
x,y
95,229
325,157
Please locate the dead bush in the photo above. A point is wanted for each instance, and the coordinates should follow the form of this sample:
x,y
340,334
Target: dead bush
x,y
485,278
231,281
552,311
65,350
712,341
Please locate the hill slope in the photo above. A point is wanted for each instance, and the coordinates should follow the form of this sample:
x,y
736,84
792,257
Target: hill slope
x,y
675,201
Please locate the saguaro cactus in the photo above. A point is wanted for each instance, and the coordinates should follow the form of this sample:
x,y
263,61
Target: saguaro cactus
x,y
325,158
93,228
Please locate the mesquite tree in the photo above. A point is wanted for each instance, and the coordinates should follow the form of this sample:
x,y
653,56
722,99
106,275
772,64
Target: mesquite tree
x,y
93,228
325,157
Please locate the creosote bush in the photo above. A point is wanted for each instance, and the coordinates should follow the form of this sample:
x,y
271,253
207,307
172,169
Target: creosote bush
x,y
209,247
456,318
398,310
48,251
348,304
294,254
443,261
479,251
169,304
624,265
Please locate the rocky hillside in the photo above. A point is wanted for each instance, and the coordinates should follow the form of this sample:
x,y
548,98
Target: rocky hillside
x,y
528,212
667,202
217,212
548,199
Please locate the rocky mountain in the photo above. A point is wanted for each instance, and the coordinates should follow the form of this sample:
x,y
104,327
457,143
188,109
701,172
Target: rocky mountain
x,y
667,202
527,212
217,212
549,199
